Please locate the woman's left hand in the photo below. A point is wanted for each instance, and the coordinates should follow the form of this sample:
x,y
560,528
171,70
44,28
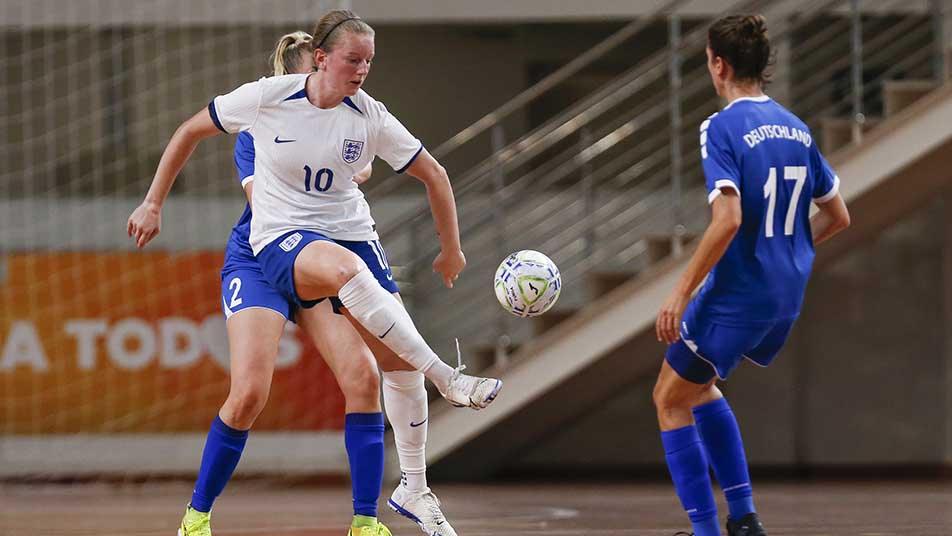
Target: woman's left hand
x,y
449,264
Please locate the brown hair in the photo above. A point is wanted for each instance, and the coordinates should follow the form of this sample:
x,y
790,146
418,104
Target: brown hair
x,y
287,54
334,24
742,41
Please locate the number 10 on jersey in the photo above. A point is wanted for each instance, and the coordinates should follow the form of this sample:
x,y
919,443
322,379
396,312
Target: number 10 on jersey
x,y
319,181
790,173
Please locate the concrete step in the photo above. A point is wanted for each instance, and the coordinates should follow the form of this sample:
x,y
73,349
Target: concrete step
x,y
948,65
899,94
483,357
661,246
551,319
601,283
837,132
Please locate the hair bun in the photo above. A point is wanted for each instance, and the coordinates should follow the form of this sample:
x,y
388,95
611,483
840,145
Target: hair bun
x,y
742,41
755,25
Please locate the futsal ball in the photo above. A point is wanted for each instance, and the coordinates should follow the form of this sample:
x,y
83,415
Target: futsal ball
x,y
527,283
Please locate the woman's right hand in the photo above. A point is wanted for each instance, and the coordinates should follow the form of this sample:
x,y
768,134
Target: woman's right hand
x,y
145,223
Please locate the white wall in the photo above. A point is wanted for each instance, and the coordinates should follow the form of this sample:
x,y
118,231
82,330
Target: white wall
x,y
202,12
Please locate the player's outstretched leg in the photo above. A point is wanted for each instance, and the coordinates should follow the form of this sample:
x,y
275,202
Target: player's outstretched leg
x,y
720,434
385,317
323,268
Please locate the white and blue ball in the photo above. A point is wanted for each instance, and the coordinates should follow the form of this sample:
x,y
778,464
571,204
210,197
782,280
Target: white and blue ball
x,y
527,283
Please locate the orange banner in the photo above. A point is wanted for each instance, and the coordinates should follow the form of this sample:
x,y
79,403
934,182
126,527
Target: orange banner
x,y
135,342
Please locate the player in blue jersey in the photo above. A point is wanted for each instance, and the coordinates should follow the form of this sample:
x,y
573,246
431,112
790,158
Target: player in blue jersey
x,y
762,169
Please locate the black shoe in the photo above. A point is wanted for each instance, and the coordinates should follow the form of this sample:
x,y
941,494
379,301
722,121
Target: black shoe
x,y
682,533
749,525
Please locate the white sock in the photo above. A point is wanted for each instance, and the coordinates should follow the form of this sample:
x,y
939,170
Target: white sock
x,y
384,316
404,397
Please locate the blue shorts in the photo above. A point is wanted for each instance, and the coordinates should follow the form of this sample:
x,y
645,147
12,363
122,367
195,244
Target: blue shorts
x,y
277,263
246,287
707,348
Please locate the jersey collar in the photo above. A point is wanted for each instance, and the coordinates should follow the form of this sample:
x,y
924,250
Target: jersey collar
x,y
762,98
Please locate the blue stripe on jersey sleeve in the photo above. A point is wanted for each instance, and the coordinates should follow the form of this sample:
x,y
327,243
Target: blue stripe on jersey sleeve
x,y
212,112
412,160
245,156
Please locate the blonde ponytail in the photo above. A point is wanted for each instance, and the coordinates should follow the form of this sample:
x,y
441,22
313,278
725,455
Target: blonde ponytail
x,y
287,53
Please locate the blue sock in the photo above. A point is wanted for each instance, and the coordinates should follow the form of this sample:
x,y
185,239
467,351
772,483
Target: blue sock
x,y
363,437
222,451
725,448
692,480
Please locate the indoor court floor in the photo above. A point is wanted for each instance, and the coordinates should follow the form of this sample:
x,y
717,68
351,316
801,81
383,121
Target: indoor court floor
x,y
251,508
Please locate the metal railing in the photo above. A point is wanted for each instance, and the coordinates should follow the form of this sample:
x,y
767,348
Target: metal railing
x,y
529,95
612,180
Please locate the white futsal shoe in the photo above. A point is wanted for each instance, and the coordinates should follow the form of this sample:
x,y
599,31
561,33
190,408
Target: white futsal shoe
x,y
471,391
465,391
423,508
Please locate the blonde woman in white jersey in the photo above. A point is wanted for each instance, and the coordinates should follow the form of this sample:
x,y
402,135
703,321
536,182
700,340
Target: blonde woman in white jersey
x,y
256,315
324,127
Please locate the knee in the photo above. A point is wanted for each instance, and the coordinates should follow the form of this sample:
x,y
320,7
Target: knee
x,y
658,396
664,398
361,384
345,271
245,402
325,270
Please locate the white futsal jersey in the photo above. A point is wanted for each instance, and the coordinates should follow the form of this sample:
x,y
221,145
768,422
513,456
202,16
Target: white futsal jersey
x,y
305,156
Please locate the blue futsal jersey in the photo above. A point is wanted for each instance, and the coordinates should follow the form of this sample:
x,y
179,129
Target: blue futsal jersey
x,y
768,156
238,253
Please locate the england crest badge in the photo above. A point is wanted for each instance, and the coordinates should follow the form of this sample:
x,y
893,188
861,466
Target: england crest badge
x,y
351,150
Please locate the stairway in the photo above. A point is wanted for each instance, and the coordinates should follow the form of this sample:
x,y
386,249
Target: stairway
x,y
576,364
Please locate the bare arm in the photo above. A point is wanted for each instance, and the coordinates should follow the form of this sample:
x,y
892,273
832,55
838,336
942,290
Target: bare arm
x,y
450,262
145,222
832,218
725,221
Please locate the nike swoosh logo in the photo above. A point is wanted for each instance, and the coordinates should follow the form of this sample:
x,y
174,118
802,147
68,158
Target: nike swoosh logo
x,y
414,425
277,140
388,330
